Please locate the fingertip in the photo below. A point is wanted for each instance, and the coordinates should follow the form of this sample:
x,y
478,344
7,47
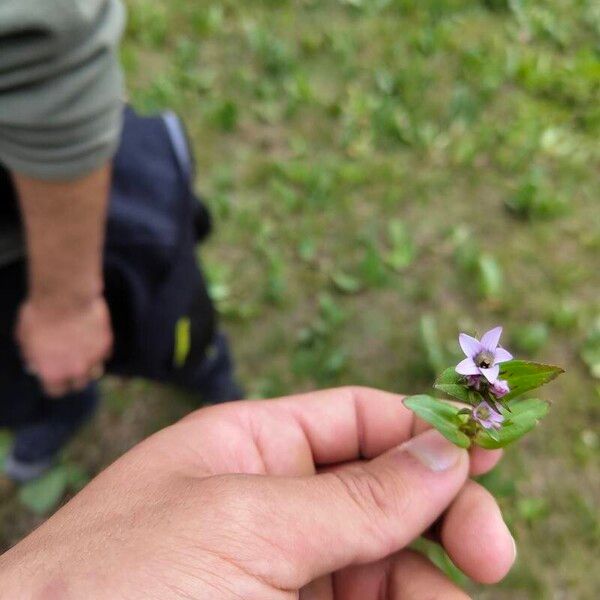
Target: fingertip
x,y
476,536
483,460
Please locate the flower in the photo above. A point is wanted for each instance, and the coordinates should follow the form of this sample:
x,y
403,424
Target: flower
x,y
483,356
500,388
474,381
487,416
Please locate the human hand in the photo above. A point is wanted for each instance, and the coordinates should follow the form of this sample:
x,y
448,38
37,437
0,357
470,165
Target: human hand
x,y
314,496
65,347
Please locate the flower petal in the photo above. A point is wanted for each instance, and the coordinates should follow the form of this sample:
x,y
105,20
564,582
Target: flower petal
x,y
491,374
490,339
470,346
467,367
502,355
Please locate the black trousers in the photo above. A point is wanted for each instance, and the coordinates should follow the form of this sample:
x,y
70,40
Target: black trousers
x,y
22,400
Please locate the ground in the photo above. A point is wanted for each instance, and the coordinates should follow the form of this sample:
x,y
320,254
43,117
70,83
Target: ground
x,y
384,174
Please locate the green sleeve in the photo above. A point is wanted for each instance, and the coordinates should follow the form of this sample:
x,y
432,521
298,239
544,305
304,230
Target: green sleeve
x,y
61,87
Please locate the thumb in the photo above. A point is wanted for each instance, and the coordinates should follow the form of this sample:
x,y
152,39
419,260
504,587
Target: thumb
x,y
361,512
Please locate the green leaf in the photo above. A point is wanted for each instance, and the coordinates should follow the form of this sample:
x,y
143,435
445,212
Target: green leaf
x,y
523,417
530,338
529,407
307,249
77,478
466,251
438,556
402,252
523,376
345,283
532,509
44,494
453,384
590,352
372,267
490,280
431,342
498,483
442,415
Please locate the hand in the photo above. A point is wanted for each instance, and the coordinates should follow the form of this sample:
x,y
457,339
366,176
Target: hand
x,y
64,347
314,496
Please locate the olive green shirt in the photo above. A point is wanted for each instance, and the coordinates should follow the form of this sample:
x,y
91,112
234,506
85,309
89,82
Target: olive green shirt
x,y
61,89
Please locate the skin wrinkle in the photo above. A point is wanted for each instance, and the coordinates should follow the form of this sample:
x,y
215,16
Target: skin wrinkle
x,y
319,589
305,431
360,487
360,426
195,573
280,555
297,444
247,526
386,591
238,566
246,422
199,467
255,428
355,395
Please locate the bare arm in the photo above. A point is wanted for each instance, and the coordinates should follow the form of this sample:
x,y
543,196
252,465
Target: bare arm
x,y
64,223
63,328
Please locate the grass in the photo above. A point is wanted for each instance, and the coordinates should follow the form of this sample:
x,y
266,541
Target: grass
x,y
383,174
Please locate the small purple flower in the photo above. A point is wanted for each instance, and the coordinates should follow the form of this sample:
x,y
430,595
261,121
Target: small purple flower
x,y
474,381
487,416
500,388
483,356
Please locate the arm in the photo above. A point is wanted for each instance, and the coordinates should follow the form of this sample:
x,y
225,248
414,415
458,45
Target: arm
x,y
60,117
64,328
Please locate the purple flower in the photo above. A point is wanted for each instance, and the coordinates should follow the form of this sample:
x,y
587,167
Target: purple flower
x,y
487,416
474,381
500,388
482,356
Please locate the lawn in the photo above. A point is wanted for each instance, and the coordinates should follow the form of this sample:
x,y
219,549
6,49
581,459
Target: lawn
x,y
384,174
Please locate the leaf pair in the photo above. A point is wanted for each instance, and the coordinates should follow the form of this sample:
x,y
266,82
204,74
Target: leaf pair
x,y
446,418
522,376
450,419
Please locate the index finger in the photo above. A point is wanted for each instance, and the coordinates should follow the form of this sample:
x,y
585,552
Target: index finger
x,y
353,423
294,435
350,423
329,426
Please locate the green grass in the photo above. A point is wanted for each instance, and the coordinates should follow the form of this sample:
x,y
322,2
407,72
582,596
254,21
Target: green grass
x,y
383,174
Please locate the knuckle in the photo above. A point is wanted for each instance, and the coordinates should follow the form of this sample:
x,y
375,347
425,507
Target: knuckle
x,y
381,496
354,392
365,490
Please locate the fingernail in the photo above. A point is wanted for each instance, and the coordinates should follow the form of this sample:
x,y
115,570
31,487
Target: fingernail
x,y
514,549
433,451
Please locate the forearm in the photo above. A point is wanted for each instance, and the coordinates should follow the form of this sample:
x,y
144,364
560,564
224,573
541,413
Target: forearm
x,y
64,225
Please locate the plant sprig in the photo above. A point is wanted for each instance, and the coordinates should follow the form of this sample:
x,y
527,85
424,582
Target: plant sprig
x,y
488,384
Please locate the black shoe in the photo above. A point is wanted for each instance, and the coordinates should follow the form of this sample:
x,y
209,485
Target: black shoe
x,y
37,446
